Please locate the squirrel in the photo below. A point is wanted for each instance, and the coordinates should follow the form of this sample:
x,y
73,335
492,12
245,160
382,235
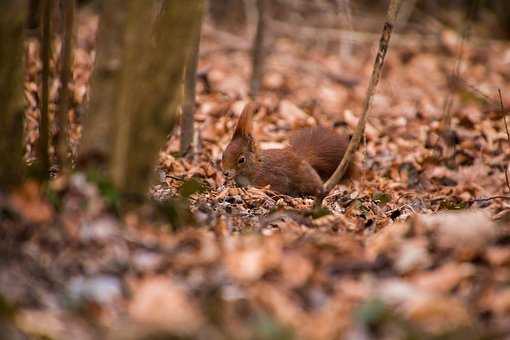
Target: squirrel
x,y
300,169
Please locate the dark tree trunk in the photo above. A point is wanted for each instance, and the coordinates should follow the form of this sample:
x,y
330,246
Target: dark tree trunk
x,y
63,151
228,15
188,107
12,21
136,80
258,51
42,166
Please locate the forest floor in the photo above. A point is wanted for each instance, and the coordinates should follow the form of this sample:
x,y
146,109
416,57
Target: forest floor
x,y
416,246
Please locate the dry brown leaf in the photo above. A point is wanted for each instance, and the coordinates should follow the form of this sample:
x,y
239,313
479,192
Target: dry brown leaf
x,y
466,233
160,303
30,204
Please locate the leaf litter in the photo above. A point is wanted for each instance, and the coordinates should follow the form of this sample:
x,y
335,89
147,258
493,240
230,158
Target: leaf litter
x,y
415,245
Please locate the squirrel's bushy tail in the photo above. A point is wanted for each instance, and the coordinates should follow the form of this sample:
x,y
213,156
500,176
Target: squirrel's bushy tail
x,y
322,147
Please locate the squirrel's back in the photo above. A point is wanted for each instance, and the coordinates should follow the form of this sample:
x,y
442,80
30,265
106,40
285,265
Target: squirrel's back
x,y
322,147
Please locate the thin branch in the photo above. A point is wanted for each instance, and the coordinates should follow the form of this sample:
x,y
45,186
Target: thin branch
x,y
507,180
502,108
485,199
177,178
374,80
457,80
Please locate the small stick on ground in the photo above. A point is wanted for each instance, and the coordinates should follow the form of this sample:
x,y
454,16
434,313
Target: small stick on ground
x,y
502,108
485,199
374,80
507,180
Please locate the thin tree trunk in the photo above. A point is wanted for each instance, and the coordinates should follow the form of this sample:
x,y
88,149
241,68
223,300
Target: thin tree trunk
x,y
43,161
68,12
33,19
188,108
229,15
12,22
135,82
405,13
346,41
258,51
372,86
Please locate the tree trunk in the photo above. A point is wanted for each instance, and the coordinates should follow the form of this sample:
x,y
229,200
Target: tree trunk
x,y
63,150
188,107
42,165
258,51
11,92
229,15
136,80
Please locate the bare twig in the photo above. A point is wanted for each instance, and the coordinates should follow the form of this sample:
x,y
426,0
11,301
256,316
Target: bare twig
x,y
507,180
374,80
457,80
485,199
177,178
502,108
307,32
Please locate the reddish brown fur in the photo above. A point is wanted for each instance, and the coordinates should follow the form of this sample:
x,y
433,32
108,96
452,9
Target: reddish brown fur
x,y
322,147
244,125
296,170
287,173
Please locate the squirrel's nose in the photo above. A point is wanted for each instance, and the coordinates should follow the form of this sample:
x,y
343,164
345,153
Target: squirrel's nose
x,y
228,174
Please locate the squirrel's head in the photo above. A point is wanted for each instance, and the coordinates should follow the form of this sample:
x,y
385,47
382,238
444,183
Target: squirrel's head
x,y
240,156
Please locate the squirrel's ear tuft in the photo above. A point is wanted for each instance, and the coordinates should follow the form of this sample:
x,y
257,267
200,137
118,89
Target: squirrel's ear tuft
x,y
244,125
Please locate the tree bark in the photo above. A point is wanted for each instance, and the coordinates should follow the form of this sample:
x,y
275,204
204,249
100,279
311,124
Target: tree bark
x,y
42,166
12,105
258,51
63,151
188,107
229,15
135,82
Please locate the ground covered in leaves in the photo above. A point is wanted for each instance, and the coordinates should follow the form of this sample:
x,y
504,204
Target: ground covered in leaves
x,y
417,245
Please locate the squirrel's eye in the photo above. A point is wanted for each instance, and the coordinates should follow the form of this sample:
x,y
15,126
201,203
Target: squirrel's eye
x,y
241,160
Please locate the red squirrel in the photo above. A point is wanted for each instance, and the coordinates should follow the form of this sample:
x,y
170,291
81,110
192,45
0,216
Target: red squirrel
x,y
300,169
